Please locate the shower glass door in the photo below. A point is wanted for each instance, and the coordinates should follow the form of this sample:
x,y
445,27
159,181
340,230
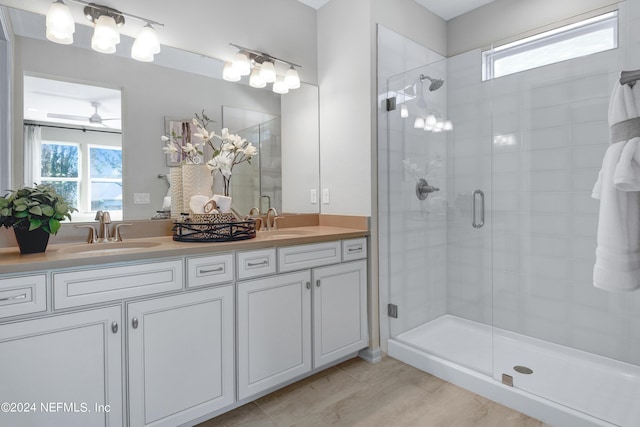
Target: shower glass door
x,y
437,224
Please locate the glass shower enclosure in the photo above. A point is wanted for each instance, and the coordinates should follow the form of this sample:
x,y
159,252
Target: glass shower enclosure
x,y
489,233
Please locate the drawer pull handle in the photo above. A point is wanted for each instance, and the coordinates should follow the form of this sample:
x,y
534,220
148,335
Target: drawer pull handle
x,y
308,285
213,270
358,249
318,283
134,323
14,297
114,327
255,264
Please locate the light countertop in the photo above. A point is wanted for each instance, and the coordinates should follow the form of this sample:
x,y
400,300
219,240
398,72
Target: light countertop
x,y
72,254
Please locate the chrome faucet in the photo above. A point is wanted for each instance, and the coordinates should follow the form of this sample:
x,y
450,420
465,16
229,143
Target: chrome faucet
x,y
254,214
104,217
272,215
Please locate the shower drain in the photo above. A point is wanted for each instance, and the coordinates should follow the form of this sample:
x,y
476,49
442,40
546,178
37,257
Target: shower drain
x,y
523,370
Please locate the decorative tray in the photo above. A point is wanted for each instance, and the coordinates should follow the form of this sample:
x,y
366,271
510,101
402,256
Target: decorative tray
x,y
214,232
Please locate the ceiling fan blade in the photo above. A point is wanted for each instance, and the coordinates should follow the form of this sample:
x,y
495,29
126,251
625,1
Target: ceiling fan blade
x,y
67,117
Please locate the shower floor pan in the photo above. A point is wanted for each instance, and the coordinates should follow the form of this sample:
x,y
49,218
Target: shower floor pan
x,y
567,388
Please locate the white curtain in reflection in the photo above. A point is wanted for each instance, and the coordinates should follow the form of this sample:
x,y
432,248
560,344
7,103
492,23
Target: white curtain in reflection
x,y
32,139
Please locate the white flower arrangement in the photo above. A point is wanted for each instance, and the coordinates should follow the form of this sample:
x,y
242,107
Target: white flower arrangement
x,y
181,145
230,150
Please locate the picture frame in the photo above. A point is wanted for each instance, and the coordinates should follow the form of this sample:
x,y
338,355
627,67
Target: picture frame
x,y
184,129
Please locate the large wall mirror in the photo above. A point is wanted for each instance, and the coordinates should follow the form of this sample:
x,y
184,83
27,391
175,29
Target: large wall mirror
x,y
177,84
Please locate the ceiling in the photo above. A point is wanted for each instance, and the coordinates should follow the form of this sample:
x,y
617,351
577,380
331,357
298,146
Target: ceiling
x,y
44,96
448,9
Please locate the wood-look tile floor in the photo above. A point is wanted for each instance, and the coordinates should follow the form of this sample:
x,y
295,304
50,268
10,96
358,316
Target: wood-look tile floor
x,y
357,393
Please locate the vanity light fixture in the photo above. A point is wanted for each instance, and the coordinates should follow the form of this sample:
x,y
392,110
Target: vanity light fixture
x,y
106,33
262,70
59,23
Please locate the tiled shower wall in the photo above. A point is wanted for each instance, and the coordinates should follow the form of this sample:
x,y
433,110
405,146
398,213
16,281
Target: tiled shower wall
x,y
530,270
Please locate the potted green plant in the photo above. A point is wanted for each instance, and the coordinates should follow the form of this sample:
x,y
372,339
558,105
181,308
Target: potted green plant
x,y
34,213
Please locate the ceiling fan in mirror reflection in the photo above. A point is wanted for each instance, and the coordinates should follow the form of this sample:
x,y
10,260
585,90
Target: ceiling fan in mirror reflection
x,y
95,118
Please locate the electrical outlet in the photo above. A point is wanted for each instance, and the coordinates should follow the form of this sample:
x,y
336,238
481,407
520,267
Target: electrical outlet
x,y
141,198
313,196
325,196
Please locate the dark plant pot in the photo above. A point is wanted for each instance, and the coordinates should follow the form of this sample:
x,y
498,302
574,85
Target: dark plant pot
x,y
31,242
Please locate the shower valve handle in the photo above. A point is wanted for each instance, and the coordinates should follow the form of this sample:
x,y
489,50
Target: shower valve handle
x,y
423,189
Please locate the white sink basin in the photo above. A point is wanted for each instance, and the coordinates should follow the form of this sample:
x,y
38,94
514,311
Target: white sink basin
x,y
107,248
286,232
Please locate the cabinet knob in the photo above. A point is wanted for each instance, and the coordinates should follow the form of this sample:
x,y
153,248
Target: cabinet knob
x,y
308,285
318,283
134,323
114,327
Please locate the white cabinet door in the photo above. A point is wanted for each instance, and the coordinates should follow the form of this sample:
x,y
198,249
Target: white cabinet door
x,y
339,311
63,370
274,331
181,356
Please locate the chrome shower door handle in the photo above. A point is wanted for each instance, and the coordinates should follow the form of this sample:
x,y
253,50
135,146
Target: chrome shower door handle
x,y
474,209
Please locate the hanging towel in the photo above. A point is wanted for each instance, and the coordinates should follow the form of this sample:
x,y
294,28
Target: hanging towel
x,y
617,266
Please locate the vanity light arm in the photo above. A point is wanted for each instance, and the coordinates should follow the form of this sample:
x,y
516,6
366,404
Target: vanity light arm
x,y
126,15
264,56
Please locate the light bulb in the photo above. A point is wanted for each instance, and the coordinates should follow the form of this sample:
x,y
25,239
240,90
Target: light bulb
x,y
431,119
105,35
279,86
146,45
268,72
60,24
242,64
292,79
229,72
418,123
404,112
439,125
255,80
448,125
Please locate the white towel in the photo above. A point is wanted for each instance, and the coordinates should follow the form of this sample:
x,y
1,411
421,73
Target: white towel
x,y
617,266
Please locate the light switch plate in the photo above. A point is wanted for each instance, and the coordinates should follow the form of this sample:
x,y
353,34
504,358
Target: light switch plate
x,y
141,198
325,196
313,196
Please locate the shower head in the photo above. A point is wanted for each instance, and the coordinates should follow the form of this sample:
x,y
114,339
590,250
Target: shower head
x,y
435,83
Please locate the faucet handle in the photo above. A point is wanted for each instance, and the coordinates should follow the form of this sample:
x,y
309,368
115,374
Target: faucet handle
x,y
93,234
275,222
106,217
254,211
117,237
99,216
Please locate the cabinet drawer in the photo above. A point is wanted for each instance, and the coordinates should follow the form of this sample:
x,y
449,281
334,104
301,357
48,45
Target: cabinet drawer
x,y
291,258
71,289
354,249
209,270
256,263
23,295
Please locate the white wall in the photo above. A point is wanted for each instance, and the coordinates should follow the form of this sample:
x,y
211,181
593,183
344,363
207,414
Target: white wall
x,y
347,79
503,19
149,93
344,71
300,159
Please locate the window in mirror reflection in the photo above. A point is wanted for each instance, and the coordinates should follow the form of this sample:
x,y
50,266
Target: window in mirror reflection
x,y
87,175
